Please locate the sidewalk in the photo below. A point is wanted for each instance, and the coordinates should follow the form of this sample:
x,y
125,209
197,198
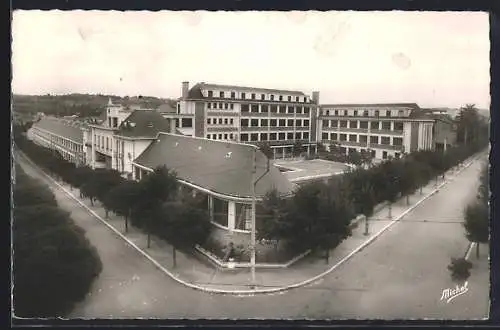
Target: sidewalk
x,y
196,271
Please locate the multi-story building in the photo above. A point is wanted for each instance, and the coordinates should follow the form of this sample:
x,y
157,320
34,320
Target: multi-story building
x,y
384,130
62,135
280,118
122,136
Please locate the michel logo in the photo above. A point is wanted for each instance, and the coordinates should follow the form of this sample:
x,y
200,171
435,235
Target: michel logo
x,y
450,294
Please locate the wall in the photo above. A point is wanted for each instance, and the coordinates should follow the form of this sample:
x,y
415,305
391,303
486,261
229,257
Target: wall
x,y
199,119
414,136
135,148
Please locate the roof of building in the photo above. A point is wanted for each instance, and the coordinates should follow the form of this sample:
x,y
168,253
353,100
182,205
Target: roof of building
x,y
399,105
143,123
67,128
221,167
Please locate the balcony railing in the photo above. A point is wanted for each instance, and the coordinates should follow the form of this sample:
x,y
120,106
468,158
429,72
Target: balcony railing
x,y
386,146
254,114
386,132
221,129
222,113
351,143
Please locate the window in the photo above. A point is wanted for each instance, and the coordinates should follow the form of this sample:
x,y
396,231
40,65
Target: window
x,y
264,108
385,140
231,121
289,123
374,125
272,137
289,99
363,124
289,136
355,113
231,136
384,155
334,136
253,96
107,143
386,125
214,105
282,122
254,122
187,122
255,108
221,94
377,113
324,136
225,136
221,106
208,136
296,99
226,105
298,122
244,123
353,124
282,109
336,112
263,123
305,135
298,136
254,137
363,138
209,105
226,120
388,113
220,121
398,126
352,138
326,123
343,123
397,155
245,108
306,122
243,96
231,106
273,123
334,123
374,139
397,141
299,109
274,109
220,136
290,109
244,137
233,95
343,137
272,97
281,136
365,113
281,97
209,121
263,136
401,113
262,96
210,94
306,110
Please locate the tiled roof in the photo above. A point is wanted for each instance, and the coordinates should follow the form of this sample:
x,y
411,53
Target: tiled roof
x,y
143,123
250,89
405,105
221,167
67,128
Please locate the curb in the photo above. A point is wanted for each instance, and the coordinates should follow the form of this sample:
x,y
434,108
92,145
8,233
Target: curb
x,y
255,291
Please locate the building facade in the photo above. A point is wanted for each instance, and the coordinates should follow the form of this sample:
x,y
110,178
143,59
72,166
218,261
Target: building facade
x,y
251,115
62,135
383,130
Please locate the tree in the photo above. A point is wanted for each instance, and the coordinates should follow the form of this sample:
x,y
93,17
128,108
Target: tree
x,y
409,178
270,217
467,124
354,158
122,199
297,149
266,149
391,182
477,224
460,269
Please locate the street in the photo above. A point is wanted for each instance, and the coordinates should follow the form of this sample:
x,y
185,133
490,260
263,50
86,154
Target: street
x,y
401,275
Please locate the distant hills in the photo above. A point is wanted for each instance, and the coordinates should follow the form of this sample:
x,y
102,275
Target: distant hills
x,y
83,105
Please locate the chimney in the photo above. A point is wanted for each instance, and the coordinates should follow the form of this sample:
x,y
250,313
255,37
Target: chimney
x,y
315,97
185,89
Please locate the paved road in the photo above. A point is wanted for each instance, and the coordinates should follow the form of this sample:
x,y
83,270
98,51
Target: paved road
x,y
401,275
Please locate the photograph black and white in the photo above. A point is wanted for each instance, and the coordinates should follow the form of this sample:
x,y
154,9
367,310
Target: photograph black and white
x,y
250,165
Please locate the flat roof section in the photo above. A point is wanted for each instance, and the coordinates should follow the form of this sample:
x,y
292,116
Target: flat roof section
x,y
304,170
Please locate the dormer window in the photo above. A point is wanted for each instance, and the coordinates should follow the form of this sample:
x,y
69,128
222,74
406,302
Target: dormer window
x,y
262,96
210,94
289,99
388,113
253,96
281,97
243,96
221,94
233,95
272,97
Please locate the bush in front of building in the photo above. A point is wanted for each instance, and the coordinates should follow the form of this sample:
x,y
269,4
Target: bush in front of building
x,y
54,264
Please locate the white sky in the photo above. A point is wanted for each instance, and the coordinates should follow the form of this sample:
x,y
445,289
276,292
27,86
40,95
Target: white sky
x,y
432,58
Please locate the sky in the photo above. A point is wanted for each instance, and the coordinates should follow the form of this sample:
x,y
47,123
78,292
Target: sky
x,y
436,59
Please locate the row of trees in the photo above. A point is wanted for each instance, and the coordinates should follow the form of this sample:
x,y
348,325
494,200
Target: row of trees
x,y
54,264
155,204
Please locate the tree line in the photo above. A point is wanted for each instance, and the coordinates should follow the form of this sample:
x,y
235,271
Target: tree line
x,y
155,204
54,264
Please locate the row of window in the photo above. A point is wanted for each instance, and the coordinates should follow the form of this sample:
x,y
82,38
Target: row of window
x,y
264,108
254,96
62,142
385,140
103,142
282,136
220,121
222,136
383,125
364,113
274,122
